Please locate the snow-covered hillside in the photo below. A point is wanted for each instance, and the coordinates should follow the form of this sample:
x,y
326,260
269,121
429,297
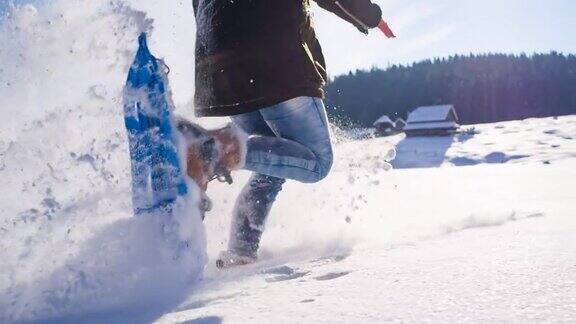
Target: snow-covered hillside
x,y
466,228
492,242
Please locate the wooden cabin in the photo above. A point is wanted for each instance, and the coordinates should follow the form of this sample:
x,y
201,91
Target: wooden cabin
x,y
432,121
384,126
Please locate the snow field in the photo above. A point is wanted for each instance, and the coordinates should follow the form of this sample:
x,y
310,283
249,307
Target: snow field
x,y
483,243
464,229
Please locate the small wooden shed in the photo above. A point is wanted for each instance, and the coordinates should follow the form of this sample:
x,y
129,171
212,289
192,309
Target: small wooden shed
x,y
432,121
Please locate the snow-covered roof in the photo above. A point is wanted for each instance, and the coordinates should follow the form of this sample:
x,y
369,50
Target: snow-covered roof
x,y
400,122
432,125
384,120
431,114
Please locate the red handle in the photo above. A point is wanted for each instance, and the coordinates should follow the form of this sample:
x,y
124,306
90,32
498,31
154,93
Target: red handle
x,y
386,30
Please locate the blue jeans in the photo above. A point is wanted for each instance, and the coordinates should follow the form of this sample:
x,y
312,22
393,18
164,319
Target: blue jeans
x,y
290,140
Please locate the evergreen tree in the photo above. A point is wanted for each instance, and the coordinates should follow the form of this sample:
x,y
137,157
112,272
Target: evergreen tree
x,y
483,88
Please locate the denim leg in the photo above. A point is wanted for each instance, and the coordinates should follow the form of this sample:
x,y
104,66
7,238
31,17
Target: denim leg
x,y
288,141
257,197
250,213
253,124
301,150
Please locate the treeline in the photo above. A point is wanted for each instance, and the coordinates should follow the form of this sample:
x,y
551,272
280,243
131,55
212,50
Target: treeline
x,y
483,88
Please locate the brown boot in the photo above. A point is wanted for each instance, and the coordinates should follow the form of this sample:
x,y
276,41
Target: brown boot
x,y
215,157
231,144
212,154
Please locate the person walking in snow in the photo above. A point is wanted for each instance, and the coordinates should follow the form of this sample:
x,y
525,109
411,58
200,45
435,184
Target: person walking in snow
x,y
259,62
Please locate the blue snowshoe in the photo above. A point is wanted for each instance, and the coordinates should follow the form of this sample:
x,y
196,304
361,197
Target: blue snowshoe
x,y
158,176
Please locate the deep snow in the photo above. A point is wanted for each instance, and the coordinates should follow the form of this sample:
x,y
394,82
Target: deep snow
x,y
489,242
465,228
69,243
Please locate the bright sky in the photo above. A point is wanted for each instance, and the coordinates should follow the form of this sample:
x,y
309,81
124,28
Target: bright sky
x,y
437,28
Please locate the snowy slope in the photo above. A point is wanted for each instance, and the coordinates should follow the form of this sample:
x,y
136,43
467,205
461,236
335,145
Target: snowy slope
x,y
490,242
468,228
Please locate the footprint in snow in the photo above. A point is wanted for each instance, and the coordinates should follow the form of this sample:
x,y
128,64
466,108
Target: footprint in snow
x,y
295,275
332,275
281,270
284,273
305,301
330,259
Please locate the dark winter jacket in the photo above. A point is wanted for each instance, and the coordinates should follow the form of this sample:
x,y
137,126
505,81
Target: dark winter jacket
x,y
252,54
